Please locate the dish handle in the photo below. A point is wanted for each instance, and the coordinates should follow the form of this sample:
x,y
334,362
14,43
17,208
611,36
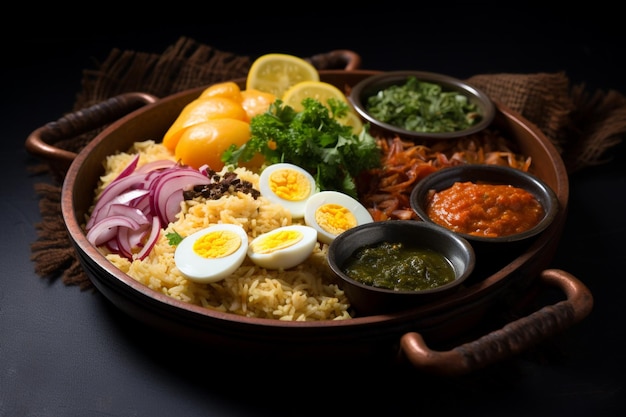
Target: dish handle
x,y
513,338
337,59
40,141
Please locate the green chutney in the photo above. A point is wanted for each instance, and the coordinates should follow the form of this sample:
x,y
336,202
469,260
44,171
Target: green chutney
x,y
399,267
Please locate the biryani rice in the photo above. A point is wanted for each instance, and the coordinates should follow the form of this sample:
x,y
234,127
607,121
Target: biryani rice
x,y
303,293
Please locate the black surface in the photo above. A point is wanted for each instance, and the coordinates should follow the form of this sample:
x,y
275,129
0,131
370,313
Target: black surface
x,y
64,352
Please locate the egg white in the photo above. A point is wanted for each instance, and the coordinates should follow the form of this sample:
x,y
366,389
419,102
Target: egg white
x,y
322,198
284,257
203,270
295,207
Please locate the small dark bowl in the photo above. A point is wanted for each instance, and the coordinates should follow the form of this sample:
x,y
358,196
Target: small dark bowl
x,y
492,174
370,86
370,300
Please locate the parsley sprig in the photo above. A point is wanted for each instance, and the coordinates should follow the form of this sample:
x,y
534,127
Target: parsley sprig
x,y
314,140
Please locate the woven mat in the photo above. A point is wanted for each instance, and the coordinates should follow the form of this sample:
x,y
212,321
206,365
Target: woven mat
x,y
583,125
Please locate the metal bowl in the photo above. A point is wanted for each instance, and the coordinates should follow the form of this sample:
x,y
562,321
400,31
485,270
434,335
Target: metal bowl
x,y
362,92
368,299
489,174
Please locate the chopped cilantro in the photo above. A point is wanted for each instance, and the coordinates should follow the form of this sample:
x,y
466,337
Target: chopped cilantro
x,y
422,106
174,238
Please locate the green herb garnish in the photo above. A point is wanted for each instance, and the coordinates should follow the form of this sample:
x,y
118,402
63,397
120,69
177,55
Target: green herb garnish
x,y
174,238
314,140
421,106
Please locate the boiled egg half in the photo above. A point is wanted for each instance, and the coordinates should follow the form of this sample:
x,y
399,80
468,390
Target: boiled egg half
x,y
283,247
288,185
213,253
331,213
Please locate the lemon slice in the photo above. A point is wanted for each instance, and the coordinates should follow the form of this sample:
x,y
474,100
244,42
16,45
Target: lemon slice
x,y
275,73
321,91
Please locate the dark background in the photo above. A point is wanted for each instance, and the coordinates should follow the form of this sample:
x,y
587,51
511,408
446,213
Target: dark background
x,y
64,352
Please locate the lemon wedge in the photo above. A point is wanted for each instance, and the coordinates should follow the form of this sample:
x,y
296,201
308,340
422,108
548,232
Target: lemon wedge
x,y
276,73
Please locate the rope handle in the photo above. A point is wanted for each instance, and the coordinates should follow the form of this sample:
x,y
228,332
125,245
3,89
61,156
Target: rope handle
x,y
513,338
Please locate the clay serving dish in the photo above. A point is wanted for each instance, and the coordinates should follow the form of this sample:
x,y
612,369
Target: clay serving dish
x,y
370,88
385,337
370,299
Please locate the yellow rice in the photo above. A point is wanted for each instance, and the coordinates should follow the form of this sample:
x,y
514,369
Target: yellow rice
x,y
304,293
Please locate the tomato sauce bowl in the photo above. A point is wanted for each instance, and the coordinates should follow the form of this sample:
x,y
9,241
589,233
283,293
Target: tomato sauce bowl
x,y
486,203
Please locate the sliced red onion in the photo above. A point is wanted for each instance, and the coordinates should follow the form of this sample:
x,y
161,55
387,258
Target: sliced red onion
x,y
129,169
171,184
133,208
155,166
129,241
152,239
103,210
112,245
172,206
107,229
118,187
123,243
204,169
131,212
143,203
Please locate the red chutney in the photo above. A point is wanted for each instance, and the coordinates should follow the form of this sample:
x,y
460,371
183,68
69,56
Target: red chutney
x,y
489,210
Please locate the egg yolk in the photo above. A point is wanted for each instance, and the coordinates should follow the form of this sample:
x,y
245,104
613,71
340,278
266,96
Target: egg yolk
x,y
276,241
334,218
217,244
289,185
